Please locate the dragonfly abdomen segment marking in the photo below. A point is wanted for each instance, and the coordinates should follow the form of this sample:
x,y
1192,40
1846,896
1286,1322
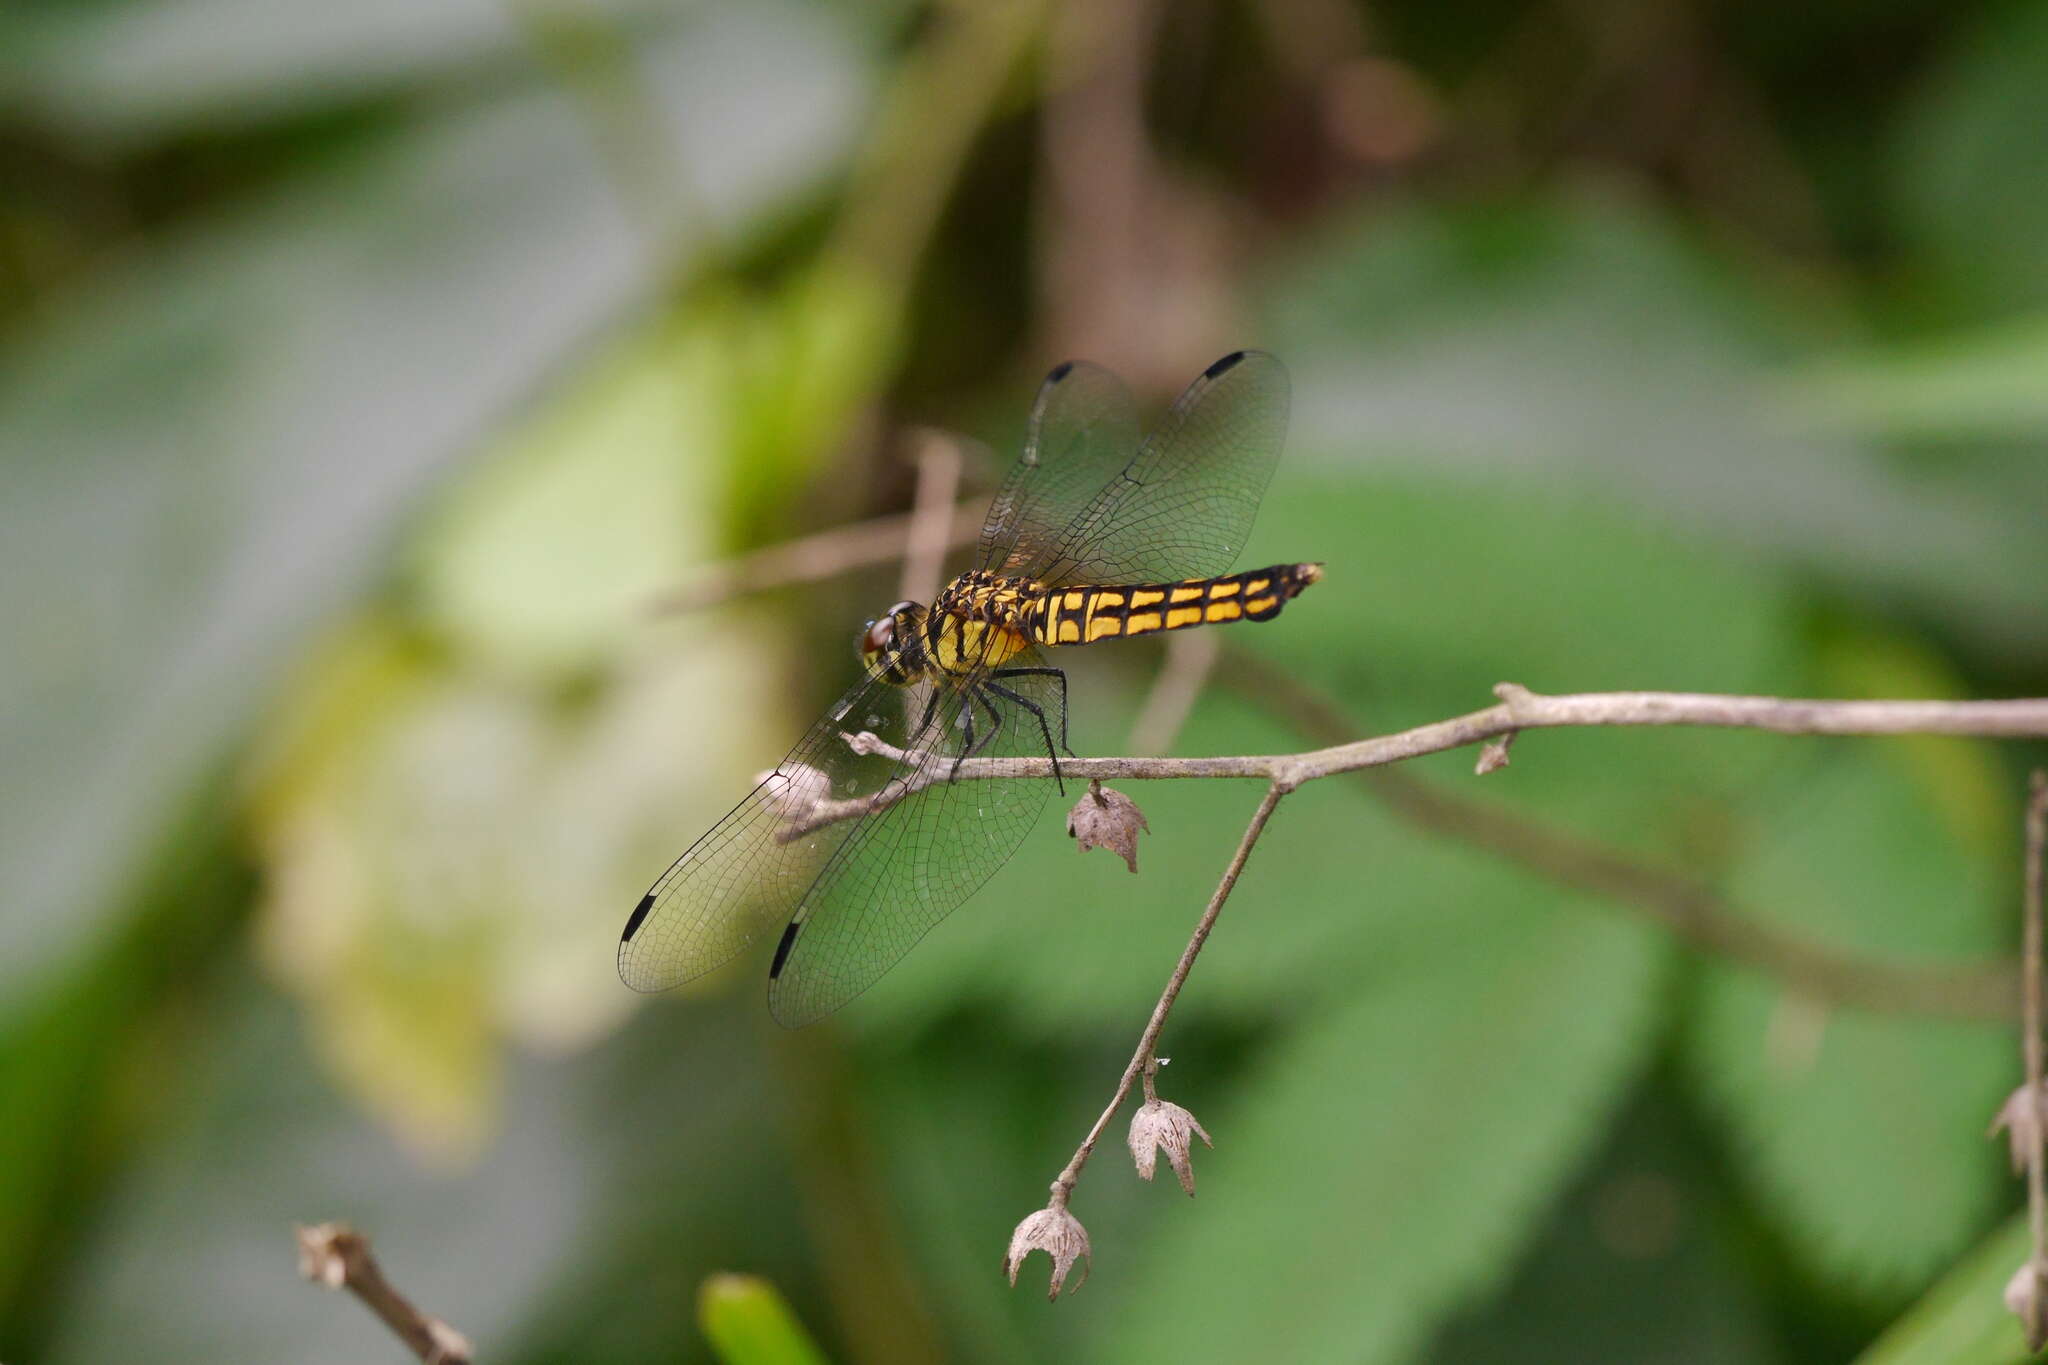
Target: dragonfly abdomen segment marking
x,y
1083,615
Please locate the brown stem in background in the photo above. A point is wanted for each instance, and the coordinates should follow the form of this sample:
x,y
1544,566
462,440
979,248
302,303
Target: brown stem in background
x,y
930,533
825,555
1133,265
337,1256
1092,267
1190,657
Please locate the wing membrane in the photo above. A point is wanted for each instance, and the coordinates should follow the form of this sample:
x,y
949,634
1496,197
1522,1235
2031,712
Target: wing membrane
x,y
911,864
1083,431
739,881
1179,506
1184,506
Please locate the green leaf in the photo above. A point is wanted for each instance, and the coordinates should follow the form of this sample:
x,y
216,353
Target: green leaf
x,y
749,1323
222,438
1864,851
1639,1261
1971,176
1963,1320
1394,1154
1584,341
548,554
1983,384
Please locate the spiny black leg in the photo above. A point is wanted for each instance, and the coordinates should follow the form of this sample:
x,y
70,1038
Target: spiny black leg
x,y
1044,728
967,744
931,705
1059,673
995,719
973,746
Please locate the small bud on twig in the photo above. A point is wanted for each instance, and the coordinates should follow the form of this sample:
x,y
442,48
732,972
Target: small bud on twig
x,y
2020,1122
1106,818
1493,755
1059,1235
1162,1126
2023,1297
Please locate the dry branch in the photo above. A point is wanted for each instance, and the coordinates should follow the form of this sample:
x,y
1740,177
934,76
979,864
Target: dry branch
x,y
338,1257
825,555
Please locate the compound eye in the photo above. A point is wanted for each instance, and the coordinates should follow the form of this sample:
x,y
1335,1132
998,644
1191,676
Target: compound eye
x,y
880,637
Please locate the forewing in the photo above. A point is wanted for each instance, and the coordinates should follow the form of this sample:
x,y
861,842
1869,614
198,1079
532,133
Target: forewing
x,y
1082,434
909,865
1184,506
740,881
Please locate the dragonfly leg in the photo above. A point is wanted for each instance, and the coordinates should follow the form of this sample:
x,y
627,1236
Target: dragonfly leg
x,y
973,745
924,721
967,723
1061,675
995,720
967,740
1044,726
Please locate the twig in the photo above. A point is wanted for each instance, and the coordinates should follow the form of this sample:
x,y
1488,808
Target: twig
x,y
1190,658
825,555
932,519
1148,1041
1694,913
1691,912
1520,710
338,1257
2036,1316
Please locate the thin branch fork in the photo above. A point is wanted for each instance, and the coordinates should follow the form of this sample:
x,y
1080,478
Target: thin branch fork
x,y
1148,1042
1054,1229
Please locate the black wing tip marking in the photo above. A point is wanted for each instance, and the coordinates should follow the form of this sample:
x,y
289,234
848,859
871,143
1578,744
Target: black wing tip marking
x,y
639,914
782,949
1060,371
1226,364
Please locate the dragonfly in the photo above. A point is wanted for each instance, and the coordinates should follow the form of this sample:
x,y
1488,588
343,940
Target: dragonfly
x,y
870,832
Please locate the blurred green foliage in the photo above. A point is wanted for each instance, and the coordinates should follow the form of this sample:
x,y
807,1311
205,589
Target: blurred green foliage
x,y
749,1324
366,371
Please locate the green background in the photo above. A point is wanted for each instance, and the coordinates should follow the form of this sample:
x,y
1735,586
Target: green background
x,y
367,371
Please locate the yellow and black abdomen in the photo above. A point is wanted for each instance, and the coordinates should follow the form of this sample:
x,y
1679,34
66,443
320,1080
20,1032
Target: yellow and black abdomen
x,y
1083,615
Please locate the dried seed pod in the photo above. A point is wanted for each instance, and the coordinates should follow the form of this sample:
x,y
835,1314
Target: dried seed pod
x,y
1106,818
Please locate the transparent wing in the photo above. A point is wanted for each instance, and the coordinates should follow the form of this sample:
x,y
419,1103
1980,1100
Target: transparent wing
x,y
1184,504
909,865
743,878
1083,432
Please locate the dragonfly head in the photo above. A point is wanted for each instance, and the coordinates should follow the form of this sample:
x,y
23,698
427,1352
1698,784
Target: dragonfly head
x,y
892,644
